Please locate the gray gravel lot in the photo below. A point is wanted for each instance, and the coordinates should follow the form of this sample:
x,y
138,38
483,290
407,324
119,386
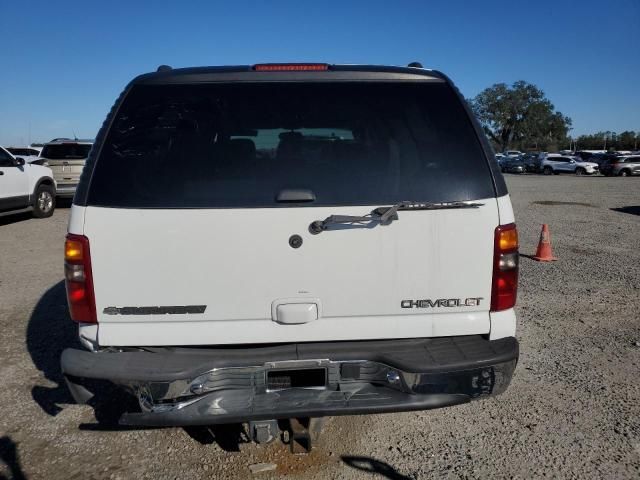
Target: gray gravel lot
x,y
573,409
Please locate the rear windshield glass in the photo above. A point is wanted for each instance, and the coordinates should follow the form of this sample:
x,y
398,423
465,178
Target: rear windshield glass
x,y
66,151
222,145
23,151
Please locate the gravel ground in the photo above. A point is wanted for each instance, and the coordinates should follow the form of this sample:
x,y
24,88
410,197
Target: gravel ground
x,y
572,411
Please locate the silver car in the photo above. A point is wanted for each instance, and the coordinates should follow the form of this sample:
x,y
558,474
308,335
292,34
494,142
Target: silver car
x,y
623,166
554,163
66,159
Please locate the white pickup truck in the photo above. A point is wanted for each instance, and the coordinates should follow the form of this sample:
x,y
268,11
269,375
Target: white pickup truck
x,y
285,241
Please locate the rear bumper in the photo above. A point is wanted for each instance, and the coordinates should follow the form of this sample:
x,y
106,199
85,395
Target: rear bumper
x,y
66,191
228,385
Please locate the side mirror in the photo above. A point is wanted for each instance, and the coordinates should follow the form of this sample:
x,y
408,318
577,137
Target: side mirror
x,y
573,161
19,161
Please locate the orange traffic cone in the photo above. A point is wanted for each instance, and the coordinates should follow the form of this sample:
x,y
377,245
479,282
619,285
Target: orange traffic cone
x,y
544,252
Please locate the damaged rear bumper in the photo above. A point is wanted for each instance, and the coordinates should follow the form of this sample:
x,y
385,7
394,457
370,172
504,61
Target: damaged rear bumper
x,y
180,387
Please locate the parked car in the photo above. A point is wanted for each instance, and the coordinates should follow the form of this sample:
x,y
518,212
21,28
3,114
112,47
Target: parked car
x,y
25,187
66,158
220,246
29,154
584,155
554,163
601,158
622,166
513,153
531,163
513,165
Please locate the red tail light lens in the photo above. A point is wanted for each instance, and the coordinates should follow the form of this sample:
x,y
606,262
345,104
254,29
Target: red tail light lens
x,y
504,289
291,67
78,279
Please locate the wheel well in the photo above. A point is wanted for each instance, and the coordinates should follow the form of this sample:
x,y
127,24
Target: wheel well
x,y
42,181
46,181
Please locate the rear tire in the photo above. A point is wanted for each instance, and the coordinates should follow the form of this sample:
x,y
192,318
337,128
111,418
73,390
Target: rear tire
x,y
44,202
580,171
547,171
624,173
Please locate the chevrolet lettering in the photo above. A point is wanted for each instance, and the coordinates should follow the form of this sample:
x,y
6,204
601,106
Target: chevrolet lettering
x,y
442,302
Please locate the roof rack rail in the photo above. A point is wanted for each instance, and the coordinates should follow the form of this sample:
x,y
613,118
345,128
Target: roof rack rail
x,y
164,68
415,65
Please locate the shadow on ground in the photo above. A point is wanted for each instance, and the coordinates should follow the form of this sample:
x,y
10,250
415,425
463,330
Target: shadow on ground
x,y
632,210
49,332
61,203
375,467
15,218
228,437
9,461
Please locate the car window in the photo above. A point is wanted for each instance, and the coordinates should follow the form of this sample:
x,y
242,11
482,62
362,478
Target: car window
x,y
632,160
5,159
27,152
239,145
66,151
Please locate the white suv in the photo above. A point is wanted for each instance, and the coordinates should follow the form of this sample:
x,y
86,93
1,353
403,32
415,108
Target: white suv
x,y
555,163
25,187
266,242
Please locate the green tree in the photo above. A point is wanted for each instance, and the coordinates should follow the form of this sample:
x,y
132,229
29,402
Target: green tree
x,y
627,141
520,116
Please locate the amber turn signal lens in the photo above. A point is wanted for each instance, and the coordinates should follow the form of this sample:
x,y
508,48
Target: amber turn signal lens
x,y
508,239
72,251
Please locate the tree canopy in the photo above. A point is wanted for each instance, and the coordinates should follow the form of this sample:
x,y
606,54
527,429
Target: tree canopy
x,y
520,116
626,140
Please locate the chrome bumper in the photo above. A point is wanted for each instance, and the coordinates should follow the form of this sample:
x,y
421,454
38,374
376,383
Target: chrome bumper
x,y
66,191
445,376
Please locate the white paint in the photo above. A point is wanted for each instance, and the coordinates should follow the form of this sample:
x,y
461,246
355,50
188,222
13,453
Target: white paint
x,y
324,329
76,220
238,261
503,324
88,334
505,210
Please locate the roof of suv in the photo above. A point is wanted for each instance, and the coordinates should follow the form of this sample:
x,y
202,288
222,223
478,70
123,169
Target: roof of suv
x,y
61,141
287,72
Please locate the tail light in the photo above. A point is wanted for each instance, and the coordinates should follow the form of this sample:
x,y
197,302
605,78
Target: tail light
x,y
504,288
78,279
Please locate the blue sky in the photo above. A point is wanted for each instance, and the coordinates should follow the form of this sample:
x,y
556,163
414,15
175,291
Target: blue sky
x,y
64,63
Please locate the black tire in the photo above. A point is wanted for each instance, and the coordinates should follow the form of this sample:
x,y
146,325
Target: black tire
x,y
547,170
580,171
624,173
44,201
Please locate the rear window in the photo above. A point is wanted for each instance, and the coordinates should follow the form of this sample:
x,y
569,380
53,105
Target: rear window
x,y
23,151
66,151
223,145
